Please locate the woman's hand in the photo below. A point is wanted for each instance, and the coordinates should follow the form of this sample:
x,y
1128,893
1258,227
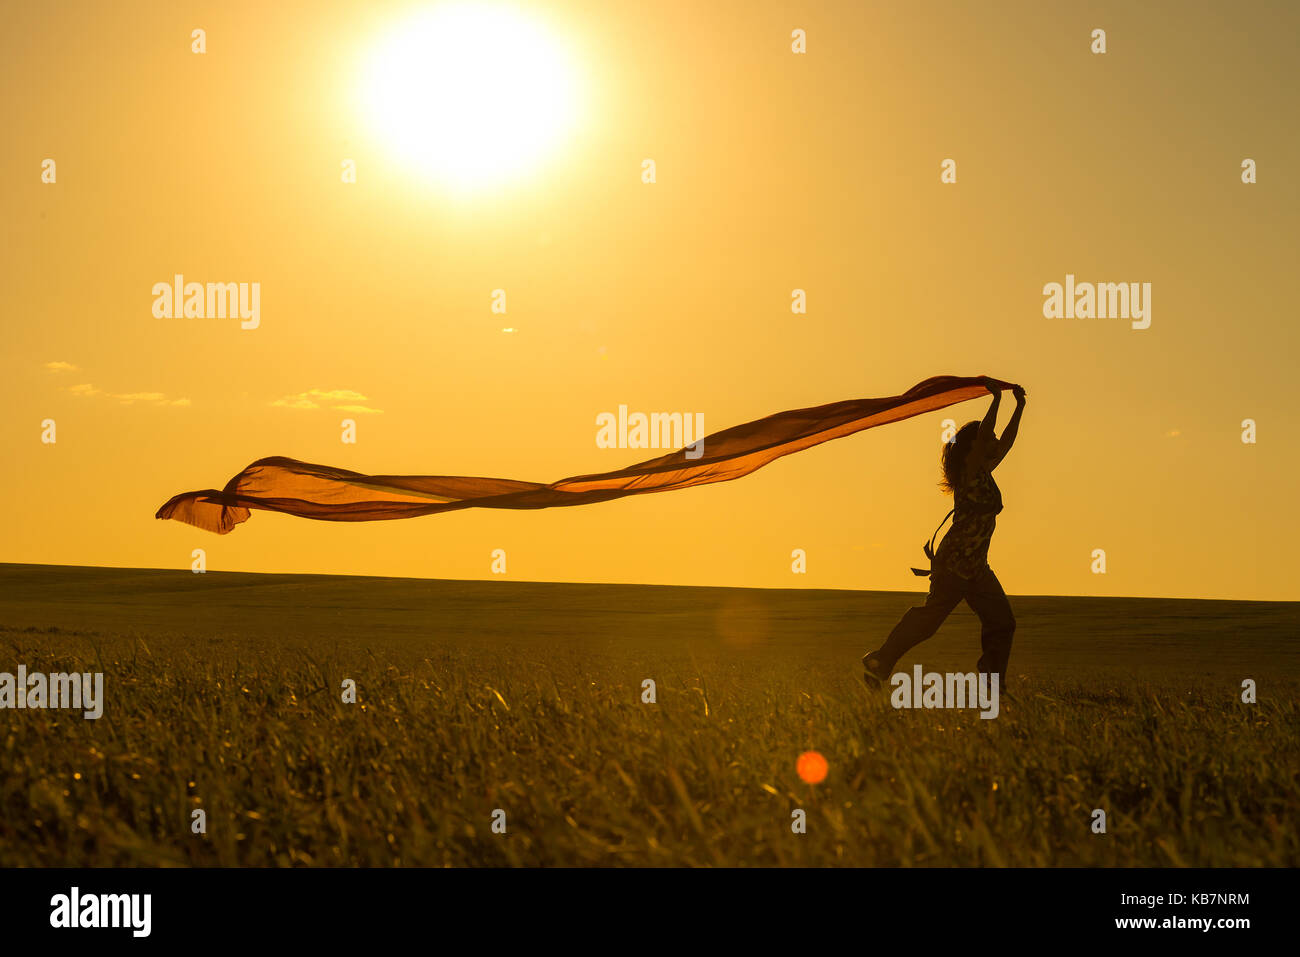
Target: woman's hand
x,y
990,384
1019,392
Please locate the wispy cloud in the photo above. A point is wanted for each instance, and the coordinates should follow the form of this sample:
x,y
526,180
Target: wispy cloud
x,y
58,366
89,391
296,402
344,400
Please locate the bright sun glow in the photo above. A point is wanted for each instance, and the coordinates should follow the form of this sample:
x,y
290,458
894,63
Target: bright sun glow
x,y
471,95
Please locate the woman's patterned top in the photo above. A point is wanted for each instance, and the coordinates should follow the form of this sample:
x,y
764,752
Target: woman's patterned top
x,y
965,549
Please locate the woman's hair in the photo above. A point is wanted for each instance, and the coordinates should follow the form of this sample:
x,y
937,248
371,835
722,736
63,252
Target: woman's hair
x,y
954,454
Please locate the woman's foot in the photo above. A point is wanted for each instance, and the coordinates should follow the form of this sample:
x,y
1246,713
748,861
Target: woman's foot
x,y
874,673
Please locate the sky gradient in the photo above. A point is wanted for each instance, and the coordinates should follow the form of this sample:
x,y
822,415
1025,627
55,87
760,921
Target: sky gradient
x,y
775,171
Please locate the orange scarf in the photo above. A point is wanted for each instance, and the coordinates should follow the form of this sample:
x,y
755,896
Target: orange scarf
x,y
337,495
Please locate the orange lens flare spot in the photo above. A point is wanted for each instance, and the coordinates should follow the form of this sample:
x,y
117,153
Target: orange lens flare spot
x,y
812,767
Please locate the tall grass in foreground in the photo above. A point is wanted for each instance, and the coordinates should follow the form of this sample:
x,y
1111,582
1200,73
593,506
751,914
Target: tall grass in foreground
x,y
256,736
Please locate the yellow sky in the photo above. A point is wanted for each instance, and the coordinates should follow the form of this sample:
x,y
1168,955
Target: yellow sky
x,y
775,171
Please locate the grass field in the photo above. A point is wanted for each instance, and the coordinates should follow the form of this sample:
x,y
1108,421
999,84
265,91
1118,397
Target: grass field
x,y
223,693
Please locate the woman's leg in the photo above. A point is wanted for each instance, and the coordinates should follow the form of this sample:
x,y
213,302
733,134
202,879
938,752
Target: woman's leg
x,y
997,624
920,622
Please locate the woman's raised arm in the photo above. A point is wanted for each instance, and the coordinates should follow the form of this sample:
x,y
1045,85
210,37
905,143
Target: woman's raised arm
x,y
1003,445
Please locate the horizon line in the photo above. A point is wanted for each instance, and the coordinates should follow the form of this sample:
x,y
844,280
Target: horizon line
x,y
519,581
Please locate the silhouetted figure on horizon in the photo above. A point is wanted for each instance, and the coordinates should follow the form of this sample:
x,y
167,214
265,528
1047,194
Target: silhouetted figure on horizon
x,y
960,569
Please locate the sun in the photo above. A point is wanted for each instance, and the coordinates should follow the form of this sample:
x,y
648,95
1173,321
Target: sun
x,y
471,95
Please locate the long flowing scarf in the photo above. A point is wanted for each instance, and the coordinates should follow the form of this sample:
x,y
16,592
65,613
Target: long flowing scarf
x,y
337,495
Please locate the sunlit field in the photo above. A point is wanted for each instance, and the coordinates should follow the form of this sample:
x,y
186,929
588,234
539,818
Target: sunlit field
x,y
223,694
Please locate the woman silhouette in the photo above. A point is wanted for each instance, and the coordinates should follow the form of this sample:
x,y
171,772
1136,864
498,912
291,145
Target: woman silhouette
x,y
961,567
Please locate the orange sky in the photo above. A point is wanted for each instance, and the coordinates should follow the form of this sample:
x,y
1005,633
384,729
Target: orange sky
x,y
775,171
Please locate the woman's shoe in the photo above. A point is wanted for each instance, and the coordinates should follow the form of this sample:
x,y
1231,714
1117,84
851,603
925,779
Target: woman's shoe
x,y
873,673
